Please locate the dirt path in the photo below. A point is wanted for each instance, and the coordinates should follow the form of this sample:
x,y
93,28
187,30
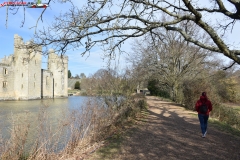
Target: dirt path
x,y
170,132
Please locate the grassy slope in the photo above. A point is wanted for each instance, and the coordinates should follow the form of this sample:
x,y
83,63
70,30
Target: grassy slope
x,y
113,144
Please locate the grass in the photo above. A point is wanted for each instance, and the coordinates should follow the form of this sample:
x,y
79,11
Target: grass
x,y
224,127
111,147
236,108
220,125
194,114
231,115
113,144
74,91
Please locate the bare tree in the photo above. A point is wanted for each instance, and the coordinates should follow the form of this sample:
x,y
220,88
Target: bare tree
x,y
110,23
82,76
169,59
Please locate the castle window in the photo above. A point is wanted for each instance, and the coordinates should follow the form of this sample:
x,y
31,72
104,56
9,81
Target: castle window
x,y
22,74
35,62
4,84
5,71
34,75
22,86
34,84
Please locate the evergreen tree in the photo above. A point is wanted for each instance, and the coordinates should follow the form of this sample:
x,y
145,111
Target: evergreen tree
x,y
77,85
69,74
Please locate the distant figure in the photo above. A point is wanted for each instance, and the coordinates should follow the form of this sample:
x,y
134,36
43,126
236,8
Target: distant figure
x,y
203,107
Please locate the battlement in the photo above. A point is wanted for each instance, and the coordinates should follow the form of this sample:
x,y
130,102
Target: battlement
x,y
7,59
28,48
18,41
53,55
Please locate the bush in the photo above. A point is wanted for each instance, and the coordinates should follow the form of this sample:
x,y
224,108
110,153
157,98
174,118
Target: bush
x,y
155,90
226,114
142,104
77,85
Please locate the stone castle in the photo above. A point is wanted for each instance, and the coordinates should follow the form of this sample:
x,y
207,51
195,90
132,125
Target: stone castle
x,y
22,77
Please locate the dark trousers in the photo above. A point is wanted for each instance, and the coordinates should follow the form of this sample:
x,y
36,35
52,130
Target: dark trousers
x,y
203,119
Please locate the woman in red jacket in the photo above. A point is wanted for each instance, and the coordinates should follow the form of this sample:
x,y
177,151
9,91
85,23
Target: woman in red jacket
x,y
203,107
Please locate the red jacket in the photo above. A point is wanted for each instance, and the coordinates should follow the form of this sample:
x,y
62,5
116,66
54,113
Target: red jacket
x,y
203,99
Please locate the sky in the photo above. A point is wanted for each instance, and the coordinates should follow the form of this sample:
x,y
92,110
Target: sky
x,y
87,64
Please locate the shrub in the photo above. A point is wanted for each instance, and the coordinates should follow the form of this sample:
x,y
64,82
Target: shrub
x,y
156,90
77,85
226,114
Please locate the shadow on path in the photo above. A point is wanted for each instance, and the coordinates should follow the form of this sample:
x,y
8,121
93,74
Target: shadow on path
x,y
171,133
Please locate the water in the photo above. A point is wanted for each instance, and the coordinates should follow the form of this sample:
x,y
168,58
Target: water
x,y
28,112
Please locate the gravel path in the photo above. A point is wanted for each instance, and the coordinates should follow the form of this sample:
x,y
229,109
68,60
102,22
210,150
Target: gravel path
x,y
170,132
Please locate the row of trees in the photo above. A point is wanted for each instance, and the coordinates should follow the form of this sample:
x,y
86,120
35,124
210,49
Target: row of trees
x,y
109,82
82,75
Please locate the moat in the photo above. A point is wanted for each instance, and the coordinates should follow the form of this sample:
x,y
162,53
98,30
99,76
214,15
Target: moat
x,y
56,109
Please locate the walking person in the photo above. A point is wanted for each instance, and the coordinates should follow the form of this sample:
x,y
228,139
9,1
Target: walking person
x,y
203,107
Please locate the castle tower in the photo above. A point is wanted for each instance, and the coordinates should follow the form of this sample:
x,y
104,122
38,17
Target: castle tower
x,y
27,69
18,43
58,66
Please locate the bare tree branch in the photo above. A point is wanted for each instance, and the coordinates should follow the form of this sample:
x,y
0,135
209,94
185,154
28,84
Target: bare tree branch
x,y
230,66
100,22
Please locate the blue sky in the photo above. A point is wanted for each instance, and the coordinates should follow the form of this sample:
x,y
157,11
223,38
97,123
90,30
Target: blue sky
x,y
77,64
87,64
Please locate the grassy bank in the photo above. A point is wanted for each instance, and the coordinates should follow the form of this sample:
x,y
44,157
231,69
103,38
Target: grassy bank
x,y
112,144
227,115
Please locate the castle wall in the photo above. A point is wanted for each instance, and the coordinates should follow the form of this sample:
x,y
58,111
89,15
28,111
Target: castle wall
x,y
34,75
47,84
7,91
20,68
21,76
59,67
27,68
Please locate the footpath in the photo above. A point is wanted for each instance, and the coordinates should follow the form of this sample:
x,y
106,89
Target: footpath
x,y
170,132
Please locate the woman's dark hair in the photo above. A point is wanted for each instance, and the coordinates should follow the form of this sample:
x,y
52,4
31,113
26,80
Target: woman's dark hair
x,y
204,94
